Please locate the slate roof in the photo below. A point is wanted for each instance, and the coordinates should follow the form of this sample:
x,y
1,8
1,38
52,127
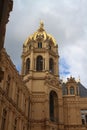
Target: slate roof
x,y
82,90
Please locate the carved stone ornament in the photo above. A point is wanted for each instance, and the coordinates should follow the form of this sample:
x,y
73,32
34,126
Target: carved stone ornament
x,y
52,81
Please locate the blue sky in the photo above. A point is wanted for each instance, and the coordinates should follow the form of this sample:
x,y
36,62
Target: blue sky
x,y
64,68
64,19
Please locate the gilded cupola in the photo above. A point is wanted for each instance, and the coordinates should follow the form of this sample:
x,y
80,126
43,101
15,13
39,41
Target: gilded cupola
x,y
40,52
40,36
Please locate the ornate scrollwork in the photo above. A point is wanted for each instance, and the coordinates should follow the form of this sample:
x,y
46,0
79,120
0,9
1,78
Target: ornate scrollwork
x,y
52,81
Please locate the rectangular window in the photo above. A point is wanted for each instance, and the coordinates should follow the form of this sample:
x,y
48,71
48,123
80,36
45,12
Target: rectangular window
x,y
84,117
39,44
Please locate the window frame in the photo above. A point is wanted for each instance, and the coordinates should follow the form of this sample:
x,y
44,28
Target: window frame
x,y
72,90
39,44
27,65
51,65
39,63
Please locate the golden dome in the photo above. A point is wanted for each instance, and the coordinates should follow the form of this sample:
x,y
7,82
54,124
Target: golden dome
x,y
40,35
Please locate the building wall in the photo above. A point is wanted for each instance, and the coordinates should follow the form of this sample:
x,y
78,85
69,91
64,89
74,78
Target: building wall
x,y
35,100
74,107
14,97
5,8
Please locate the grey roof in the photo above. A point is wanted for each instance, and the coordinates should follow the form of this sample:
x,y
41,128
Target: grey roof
x,y
82,90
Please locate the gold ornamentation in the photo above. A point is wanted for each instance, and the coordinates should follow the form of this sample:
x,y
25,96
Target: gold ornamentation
x,y
40,35
52,81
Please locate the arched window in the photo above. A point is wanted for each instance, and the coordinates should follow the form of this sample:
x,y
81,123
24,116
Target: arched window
x,y
39,63
53,106
39,44
65,91
71,90
27,65
51,65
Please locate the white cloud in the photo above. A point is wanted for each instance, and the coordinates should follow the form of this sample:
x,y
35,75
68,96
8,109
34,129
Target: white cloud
x,y
65,19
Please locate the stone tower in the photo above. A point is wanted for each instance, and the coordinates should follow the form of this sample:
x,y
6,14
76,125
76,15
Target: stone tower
x,y
40,70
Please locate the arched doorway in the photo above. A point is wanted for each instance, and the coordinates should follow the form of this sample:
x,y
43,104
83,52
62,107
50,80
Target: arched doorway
x,y
53,106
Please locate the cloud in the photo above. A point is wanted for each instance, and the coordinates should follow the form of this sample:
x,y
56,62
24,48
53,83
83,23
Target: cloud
x,y
63,68
65,19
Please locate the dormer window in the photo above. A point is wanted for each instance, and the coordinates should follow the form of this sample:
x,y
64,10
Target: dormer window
x,y
72,90
65,91
39,44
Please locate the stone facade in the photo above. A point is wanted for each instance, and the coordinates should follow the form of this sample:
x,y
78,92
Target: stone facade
x,y
14,98
5,8
37,99
54,105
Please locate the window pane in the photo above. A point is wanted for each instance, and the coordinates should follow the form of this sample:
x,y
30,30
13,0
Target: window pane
x,y
71,90
27,65
51,65
39,44
39,63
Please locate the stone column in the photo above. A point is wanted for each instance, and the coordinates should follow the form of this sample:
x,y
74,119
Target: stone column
x,y
47,61
26,107
23,66
13,91
7,120
1,110
57,65
43,64
32,60
35,64
10,121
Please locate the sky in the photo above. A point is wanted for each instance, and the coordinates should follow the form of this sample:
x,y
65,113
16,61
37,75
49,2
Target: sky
x,y
65,20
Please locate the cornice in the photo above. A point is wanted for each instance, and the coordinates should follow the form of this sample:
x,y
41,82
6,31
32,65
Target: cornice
x,y
75,126
6,61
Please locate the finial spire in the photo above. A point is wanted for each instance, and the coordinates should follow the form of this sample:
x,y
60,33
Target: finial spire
x,y
41,24
79,79
41,27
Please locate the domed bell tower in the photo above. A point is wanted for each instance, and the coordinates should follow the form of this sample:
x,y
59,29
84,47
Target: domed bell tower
x,y
40,70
